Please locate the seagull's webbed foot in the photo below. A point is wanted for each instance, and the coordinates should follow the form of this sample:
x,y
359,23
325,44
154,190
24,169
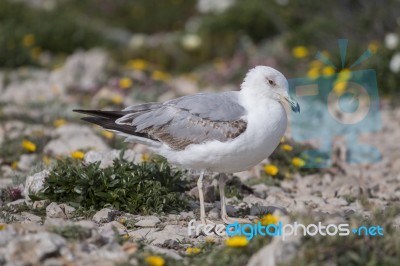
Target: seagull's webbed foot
x,y
224,215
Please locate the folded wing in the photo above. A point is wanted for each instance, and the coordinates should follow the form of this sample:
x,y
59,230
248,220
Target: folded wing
x,y
180,122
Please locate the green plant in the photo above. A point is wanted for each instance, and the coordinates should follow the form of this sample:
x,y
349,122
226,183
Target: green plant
x,y
136,188
25,32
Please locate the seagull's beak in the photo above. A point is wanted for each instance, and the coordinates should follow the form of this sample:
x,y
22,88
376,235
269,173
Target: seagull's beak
x,y
292,103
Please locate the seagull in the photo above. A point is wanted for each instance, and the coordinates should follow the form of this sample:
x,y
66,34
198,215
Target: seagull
x,y
226,132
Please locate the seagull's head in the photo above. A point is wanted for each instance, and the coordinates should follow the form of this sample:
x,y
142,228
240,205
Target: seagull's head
x,y
263,81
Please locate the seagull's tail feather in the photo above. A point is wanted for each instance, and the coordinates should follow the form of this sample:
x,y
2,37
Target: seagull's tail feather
x,y
106,119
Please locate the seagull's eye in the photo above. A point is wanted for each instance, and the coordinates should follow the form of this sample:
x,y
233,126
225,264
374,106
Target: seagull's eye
x,y
271,82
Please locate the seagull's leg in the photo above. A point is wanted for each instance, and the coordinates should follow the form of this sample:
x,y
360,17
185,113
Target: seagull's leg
x,y
224,215
201,198
221,185
200,187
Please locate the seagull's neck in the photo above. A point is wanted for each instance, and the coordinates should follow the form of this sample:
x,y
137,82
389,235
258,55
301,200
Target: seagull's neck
x,y
252,99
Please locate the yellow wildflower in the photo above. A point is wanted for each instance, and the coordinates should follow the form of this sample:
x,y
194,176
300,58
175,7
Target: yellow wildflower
x,y
122,220
316,64
313,73
116,99
145,157
340,87
236,242
328,71
78,155
14,165
36,52
288,175
298,162
28,145
107,134
138,64
210,240
192,251
344,75
160,75
28,40
155,261
286,147
125,83
300,51
46,160
373,47
269,219
125,237
58,122
2,227
271,169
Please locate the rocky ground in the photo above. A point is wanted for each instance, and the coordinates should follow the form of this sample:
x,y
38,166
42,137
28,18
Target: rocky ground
x,y
36,106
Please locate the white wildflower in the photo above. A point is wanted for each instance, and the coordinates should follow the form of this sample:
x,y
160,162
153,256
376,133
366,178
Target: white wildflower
x,y
391,41
394,64
191,41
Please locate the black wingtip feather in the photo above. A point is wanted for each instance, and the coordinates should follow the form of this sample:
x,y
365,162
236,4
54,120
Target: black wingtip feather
x,y
110,125
104,114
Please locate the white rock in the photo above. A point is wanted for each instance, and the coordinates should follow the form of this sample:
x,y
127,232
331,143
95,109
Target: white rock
x,y
28,91
84,69
72,137
33,248
26,161
103,216
16,202
142,233
34,183
31,217
337,202
175,232
108,230
164,251
68,210
53,210
148,221
187,215
208,193
213,214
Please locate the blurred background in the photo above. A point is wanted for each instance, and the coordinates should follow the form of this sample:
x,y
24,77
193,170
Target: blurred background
x,y
62,54
57,55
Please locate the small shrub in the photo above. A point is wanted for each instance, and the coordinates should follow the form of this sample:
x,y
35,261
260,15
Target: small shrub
x,y
136,188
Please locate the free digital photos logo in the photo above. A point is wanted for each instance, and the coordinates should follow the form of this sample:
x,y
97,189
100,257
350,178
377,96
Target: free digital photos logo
x,y
282,230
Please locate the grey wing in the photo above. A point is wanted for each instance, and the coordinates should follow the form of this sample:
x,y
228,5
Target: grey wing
x,y
191,120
